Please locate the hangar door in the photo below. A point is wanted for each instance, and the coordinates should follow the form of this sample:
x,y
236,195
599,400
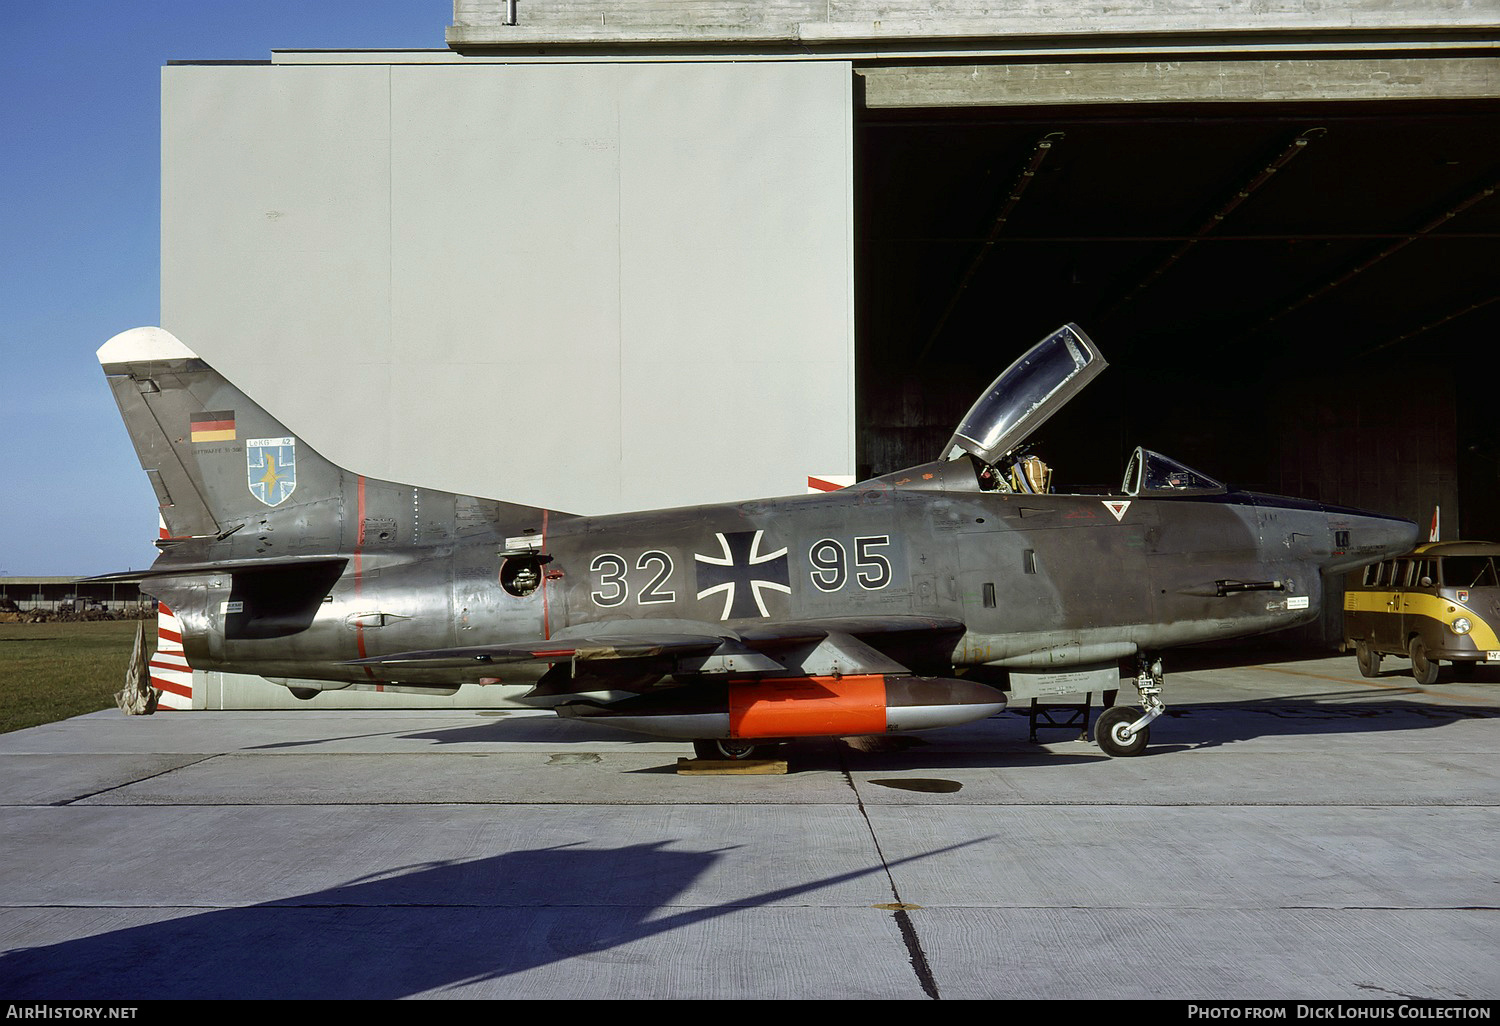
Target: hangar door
x,y
1288,263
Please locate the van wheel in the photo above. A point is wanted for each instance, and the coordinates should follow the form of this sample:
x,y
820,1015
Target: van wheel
x,y
1423,669
1368,659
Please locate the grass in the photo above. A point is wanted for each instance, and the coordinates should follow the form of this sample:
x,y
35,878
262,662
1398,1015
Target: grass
x,y
50,671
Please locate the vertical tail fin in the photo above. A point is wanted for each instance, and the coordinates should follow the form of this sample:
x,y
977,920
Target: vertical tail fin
x,y
219,462
214,457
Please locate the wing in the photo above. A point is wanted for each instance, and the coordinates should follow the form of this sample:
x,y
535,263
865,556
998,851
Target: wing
x,y
635,655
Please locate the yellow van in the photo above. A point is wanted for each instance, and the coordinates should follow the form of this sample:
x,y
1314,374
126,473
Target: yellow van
x,y
1439,603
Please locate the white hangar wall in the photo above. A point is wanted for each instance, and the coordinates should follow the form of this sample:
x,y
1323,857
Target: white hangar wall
x,y
589,286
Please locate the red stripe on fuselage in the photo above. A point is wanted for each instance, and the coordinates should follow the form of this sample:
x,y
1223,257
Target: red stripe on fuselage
x,y
546,611
359,546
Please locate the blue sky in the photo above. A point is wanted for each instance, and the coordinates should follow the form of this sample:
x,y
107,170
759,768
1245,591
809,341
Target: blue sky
x,y
80,173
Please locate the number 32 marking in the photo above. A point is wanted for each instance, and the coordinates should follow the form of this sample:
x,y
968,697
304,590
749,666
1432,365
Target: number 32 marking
x,y
614,586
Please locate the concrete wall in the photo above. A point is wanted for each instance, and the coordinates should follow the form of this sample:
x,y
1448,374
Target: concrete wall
x,y
479,24
1198,80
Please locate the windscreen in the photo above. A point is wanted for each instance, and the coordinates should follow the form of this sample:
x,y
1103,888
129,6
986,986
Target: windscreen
x,y
1151,473
1468,572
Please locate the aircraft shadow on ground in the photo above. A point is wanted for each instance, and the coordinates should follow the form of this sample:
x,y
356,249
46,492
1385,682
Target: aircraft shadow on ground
x,y
1351,712
1002,740
415,930
1209,725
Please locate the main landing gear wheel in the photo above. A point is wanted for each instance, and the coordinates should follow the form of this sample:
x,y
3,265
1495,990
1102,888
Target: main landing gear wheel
x,y
1368,659
731,749
1422,668
1112,730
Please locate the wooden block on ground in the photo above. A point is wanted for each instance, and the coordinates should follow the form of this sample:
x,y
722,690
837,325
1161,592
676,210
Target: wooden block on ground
x,y
731,767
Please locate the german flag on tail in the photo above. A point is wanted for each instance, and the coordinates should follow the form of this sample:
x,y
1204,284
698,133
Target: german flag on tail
x,y
215,426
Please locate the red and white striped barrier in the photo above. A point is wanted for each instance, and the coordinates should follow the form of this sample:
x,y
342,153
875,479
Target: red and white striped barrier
x,y
169,666
170,671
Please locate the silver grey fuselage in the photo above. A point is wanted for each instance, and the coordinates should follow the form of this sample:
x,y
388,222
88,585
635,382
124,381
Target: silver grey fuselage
x,y
1039,580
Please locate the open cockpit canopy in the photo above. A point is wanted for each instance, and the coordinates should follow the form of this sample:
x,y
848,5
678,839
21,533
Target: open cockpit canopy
x,y
1029,391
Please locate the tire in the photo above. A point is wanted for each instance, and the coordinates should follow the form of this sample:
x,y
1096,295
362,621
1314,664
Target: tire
x,y
1423,669
1108,730
1368,659
730,750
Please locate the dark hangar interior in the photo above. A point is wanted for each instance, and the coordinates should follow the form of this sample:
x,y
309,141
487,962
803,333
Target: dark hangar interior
x,y
1294,298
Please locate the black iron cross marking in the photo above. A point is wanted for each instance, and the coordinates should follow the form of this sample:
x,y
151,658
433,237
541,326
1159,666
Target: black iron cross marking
x,y
742,573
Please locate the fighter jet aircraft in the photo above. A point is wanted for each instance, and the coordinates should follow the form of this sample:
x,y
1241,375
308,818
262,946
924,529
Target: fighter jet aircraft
x,y
908,601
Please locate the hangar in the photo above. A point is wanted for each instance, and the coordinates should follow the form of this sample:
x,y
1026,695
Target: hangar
x,y
605,256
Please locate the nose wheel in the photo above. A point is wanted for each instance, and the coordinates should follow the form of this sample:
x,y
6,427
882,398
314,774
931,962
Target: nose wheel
x,y
1123,731
1113,732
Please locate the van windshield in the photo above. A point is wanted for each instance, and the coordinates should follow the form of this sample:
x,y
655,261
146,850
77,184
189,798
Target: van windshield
x,y
1469,572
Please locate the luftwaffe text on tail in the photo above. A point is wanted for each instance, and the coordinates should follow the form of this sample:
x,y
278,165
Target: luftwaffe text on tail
x,y
908,601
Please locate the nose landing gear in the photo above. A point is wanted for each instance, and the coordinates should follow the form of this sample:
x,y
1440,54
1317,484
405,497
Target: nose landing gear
x,y
1119,730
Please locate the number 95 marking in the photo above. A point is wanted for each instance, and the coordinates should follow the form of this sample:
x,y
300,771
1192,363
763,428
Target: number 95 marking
x,y
830,563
